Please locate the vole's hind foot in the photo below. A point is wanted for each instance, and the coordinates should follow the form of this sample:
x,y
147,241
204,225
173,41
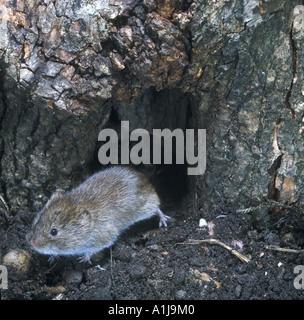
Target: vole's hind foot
x,y
85,258
162,218
51,259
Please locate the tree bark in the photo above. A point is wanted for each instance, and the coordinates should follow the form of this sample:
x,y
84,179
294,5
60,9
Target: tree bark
x,y
234,66
250,98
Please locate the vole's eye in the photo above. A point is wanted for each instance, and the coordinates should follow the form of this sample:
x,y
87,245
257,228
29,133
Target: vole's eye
x,y
54,232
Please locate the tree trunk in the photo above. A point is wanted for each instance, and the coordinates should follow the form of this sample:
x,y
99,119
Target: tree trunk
x,y
231,67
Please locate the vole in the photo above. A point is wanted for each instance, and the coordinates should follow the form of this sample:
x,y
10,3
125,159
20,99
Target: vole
x,y
91,216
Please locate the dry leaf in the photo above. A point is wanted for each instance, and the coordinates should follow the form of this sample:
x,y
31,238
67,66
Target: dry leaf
x,y
212,269
196,276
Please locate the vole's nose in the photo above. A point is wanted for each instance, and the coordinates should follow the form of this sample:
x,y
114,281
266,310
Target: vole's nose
x,y
36,243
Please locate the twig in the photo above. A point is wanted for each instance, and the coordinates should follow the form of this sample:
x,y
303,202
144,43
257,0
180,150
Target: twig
x,y
6,210
276,248
269,204
112,275
248,210
214,241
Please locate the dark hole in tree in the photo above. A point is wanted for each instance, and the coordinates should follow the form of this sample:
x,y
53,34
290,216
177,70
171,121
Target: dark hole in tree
x,y
156,110
186,4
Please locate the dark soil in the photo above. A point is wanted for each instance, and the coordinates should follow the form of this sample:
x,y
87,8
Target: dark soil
x,y
152,263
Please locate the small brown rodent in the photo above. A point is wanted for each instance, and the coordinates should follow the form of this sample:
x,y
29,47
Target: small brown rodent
x,y
91,216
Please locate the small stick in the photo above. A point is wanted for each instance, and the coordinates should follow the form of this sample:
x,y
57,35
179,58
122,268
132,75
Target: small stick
x,y
276,248
112,275
214,241
269,204
6,210
4,203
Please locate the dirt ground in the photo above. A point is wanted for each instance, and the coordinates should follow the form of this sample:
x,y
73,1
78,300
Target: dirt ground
x,y
152,263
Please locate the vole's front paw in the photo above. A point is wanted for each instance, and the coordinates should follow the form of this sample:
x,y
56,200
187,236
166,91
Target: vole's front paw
x,y
85,258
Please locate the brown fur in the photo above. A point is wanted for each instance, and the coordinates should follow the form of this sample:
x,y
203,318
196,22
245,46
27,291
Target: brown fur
x,y
91,216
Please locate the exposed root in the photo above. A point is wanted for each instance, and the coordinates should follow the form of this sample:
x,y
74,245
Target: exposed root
x,y
215,241
276,248
269,204
5,211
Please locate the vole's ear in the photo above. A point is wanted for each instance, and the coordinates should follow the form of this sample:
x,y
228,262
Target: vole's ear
x,y
56,194
85,218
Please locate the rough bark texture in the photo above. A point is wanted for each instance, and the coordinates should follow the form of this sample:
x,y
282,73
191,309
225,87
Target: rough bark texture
x,y
235,65
250,97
